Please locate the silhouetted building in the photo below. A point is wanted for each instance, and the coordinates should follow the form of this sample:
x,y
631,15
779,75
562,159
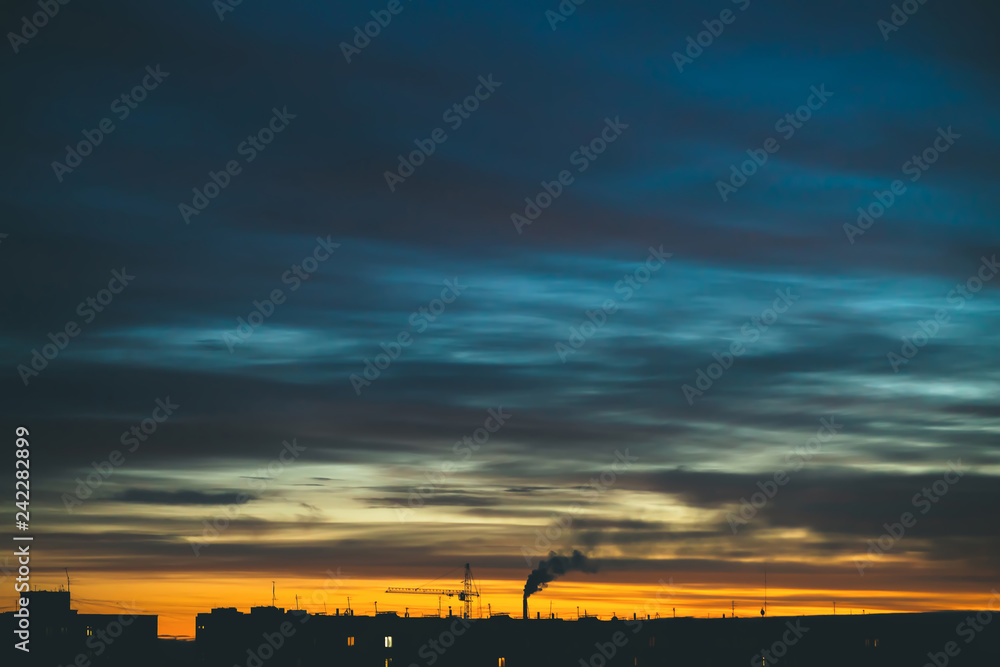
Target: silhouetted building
x,y
279,638
59,635
275,637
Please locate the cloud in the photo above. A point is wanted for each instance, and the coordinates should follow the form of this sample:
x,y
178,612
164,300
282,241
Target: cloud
x,y
153,497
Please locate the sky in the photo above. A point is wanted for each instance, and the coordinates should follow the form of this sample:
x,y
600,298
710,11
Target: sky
x,y
699,289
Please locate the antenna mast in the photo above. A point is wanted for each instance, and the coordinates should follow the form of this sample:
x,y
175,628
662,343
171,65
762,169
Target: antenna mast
x,y
272,594
763,609
67,578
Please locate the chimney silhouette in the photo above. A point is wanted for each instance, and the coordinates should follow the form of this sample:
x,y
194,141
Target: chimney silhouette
x,y
526,608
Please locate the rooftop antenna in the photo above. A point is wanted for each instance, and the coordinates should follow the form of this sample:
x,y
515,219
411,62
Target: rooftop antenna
x,y
550,608
763,609
67,578
272,594
349,604
296,602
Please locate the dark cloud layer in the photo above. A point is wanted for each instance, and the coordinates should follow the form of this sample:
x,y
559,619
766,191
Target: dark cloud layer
x,y
367,454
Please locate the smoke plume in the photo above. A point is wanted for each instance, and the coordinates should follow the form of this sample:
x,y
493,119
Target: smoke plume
x,y
548,570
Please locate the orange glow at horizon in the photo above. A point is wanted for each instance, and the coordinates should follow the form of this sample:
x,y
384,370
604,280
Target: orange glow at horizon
x,y
177,599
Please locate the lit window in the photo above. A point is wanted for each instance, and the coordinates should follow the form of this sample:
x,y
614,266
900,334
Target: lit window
x,y
876,642
388,642
388,662
350,641
90,631
502,662
652,641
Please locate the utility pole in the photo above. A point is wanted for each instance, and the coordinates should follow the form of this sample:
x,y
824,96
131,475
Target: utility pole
x,y
296,602
376,608
272,595
834,607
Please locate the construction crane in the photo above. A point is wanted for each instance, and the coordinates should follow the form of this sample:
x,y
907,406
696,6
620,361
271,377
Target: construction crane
x,y
469,590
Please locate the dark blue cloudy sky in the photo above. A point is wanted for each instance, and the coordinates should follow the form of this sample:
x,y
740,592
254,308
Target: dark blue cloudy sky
x,y
640,227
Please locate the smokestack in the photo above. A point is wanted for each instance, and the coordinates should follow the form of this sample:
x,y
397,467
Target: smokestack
x,y
526,607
